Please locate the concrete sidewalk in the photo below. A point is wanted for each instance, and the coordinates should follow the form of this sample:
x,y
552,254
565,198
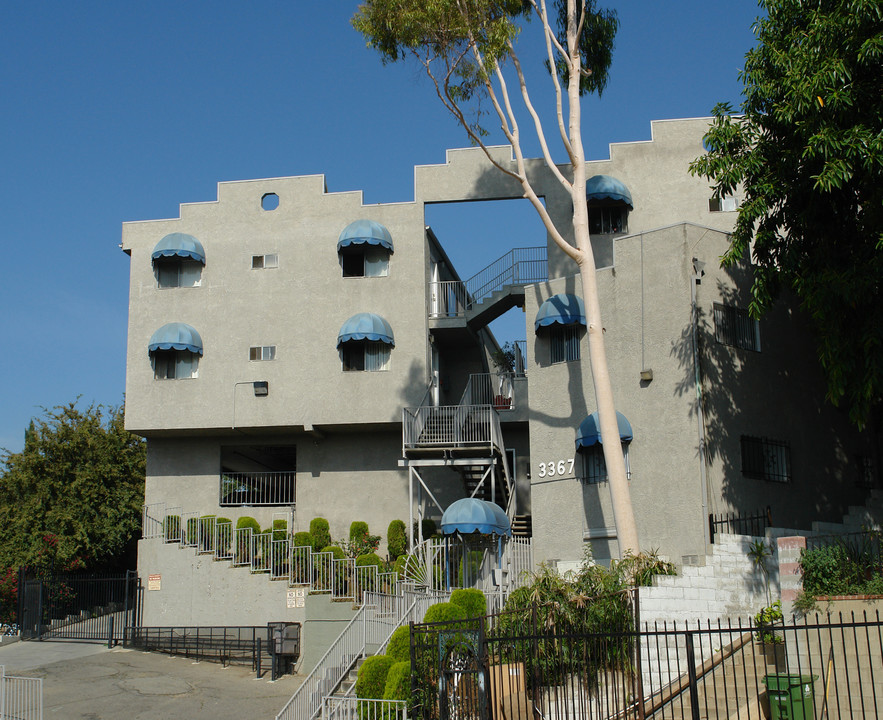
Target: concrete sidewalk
x,y
88,681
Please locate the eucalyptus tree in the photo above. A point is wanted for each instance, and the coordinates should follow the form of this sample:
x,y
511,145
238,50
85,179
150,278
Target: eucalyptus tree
x,y
469,49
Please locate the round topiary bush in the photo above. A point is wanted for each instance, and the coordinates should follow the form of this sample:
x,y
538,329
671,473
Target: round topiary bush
x,y
396,539
338,552
303,539
370,559
398,681
371,681
471,601
399,645
443,612
358,531
399,565
248,522
321,532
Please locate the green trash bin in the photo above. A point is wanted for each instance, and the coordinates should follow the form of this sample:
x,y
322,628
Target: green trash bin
x,y
791,696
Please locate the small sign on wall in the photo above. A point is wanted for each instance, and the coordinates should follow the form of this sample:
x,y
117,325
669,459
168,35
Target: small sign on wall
x,y
295,598
154,582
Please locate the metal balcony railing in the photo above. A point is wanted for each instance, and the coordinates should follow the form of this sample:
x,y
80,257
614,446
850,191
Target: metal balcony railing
x,y
450,425
496,389
257,488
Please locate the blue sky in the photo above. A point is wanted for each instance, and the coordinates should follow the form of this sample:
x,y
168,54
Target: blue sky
x,y
118,111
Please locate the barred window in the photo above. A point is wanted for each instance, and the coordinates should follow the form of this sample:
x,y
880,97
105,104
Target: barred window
x,y
734,326
594,466
866,475
766,459
564,340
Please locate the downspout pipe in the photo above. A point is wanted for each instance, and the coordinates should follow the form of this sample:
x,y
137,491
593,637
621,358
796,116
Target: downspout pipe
x,y
695,279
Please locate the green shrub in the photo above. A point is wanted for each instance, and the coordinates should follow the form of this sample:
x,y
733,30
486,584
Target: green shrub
x,y
443,612
429,529
398,681
471,601
303,539
248,522
337,551
396,539
321,532
371,681
370,559
399,646
399,565
358,531
765,619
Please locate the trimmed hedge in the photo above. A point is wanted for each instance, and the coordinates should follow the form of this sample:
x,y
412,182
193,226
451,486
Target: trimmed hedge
x,y
443,612
396,539
370,559
248,522
303,539
321,532
399,646
471,601
339,554
371,681
398,681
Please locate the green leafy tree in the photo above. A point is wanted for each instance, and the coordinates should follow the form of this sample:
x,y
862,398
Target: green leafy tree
x,y
469,49
805,152
72,497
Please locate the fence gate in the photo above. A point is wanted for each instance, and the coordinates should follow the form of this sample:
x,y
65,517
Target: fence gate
x,y
462,681
83,607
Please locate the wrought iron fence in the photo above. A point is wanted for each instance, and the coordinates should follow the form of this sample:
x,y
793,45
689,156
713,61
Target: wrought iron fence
x,y
84,606
546,667
224,644
738,524
21,698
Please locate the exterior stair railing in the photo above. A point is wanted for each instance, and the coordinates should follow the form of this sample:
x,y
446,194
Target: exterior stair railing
x,y
371,628
519,266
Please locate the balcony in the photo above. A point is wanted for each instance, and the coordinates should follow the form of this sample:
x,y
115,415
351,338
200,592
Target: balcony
x,y
257,488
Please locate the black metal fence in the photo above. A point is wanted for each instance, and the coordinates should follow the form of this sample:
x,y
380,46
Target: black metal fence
x,y
738,524
823,666
82,606
224,644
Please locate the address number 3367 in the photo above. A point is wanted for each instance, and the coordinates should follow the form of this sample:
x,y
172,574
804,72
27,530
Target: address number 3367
x,y
556,467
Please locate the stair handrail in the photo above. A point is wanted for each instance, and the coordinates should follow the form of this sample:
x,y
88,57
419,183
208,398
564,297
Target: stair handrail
x,y
344,651
519,266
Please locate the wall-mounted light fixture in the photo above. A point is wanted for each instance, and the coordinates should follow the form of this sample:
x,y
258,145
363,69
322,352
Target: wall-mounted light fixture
x,y
261,388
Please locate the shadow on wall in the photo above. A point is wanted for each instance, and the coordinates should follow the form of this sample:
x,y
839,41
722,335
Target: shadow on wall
x,y
769,431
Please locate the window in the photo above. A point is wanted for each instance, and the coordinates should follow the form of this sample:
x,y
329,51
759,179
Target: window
x,y
258,475
594,466
734,326
608,220
866,473
263,262
174,273
264,352
766,459
727,203
359,355
174,364
564,343
364,261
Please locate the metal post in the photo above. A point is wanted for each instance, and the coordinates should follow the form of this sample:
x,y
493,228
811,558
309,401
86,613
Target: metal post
x,y
691,671
110,632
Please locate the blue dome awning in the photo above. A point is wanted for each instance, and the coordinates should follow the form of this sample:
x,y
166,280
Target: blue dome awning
x,y
589,432
604,187
365,232
176,336
563,308
366,326
471,515
179,245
